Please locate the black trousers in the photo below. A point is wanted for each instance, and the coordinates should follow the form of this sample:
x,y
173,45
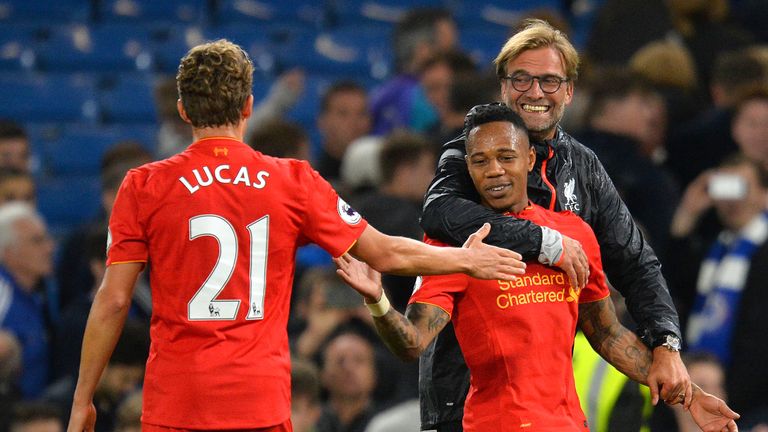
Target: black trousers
x,y
452,426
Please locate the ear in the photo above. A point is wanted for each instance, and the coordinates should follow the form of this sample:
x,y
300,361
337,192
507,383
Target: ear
x,y
182,112
248,107
531,157
568,92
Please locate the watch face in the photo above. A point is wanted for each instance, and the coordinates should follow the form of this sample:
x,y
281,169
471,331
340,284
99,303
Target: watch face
x,y
673,342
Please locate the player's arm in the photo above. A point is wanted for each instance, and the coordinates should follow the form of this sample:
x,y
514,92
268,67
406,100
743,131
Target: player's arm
x,y
406,336
451,213
404,256
628,354
105,323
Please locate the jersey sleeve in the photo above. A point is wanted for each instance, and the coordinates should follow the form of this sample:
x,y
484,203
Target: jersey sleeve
x,y
329,221
439,290
597,286
127,240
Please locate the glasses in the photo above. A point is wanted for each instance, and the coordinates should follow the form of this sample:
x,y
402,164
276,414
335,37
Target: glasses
x,y
547,83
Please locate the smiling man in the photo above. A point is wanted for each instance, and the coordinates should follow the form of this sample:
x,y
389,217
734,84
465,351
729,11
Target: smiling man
x,y
517,336
537,68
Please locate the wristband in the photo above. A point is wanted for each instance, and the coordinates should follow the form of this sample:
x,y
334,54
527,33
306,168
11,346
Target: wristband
x,y
380,308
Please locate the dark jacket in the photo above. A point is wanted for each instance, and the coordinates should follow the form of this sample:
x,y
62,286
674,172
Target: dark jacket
x,y
566,176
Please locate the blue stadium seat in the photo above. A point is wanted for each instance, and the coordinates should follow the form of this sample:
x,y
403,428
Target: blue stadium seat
x,y
115,48
382,12
303,12
154,11
344,52
68,202
17,46
499,14
129,99
49,97
483,45
44,12
77,150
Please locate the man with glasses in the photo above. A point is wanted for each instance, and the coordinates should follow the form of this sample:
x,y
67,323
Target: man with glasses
x,y
566,176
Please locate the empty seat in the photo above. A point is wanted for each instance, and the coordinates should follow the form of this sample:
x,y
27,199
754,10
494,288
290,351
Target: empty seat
x,y
129,99
69,201
49,97
304,12
44,12
116,48
154,11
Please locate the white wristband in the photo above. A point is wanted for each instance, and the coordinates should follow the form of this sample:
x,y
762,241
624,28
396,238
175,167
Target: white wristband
x,y
380,308
551,246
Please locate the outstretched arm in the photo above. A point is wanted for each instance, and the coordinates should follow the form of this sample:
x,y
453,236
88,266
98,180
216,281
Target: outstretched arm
x,y
404,256
627,353
407,337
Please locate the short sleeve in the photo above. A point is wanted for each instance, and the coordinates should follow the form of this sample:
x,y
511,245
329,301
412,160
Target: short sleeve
x,y
439,290
127,241
597,286
330,221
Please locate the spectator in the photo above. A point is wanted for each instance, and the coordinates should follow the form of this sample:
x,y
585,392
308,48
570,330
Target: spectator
x,y
26,257
750,125
348,373
703,142
36,417
437,76
73,270
400,102
17,185
620,118
305,396
129,413
728,311
282,139
10,370
343,118
407,163
14,146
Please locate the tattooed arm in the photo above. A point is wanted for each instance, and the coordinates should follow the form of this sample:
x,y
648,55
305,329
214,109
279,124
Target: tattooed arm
x,y
614,342
407,337
624,350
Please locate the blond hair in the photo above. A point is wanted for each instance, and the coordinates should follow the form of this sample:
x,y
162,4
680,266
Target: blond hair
x,y
665,63
535,34
214,81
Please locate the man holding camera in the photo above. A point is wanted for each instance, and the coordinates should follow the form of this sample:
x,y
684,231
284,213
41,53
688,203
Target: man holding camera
x,y
727,315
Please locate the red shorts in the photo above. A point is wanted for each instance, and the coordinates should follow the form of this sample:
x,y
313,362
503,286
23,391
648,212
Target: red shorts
x,y
284,427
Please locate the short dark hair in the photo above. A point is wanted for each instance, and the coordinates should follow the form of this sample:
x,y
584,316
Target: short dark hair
x,y
400,148
457,61
469,90
305,380
492,112
339,87
10,129
279,138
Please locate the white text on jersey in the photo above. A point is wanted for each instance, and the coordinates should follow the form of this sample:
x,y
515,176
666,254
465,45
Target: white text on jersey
x,y
223,174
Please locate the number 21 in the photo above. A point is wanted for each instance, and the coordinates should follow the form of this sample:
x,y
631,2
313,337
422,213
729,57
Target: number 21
x,y
204,306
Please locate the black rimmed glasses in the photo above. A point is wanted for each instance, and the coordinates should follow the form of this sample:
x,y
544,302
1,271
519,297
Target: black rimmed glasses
x,y
523,82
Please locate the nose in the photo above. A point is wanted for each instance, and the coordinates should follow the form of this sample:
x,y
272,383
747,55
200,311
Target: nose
x,y
535,90
494,168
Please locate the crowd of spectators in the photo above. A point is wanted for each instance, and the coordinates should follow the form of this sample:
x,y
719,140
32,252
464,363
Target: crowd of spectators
x,y
676,111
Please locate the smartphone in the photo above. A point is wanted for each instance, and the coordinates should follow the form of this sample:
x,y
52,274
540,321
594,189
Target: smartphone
x,y
727,187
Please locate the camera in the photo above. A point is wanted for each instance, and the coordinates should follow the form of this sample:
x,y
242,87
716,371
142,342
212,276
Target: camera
x,y
727,187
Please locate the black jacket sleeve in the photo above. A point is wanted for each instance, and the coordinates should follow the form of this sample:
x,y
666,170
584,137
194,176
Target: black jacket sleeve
x,y
630,263
452,213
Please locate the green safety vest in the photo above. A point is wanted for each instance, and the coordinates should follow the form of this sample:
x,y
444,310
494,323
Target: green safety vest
x,y
599,385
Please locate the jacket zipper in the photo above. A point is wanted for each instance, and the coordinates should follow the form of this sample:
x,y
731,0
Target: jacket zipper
x,y
546,180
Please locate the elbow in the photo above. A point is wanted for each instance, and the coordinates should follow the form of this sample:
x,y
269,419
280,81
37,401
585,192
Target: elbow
x,y
410,355
111,304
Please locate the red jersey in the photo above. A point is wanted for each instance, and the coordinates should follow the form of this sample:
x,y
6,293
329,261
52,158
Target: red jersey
x,y
219,225
517,336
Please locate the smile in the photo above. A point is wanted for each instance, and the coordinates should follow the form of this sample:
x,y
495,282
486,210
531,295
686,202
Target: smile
x,y
498,190
535,108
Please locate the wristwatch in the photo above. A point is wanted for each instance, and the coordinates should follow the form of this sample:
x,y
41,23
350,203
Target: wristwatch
x,y
670,342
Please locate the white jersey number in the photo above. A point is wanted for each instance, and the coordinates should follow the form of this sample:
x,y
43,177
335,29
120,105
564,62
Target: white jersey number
x,y
204,306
